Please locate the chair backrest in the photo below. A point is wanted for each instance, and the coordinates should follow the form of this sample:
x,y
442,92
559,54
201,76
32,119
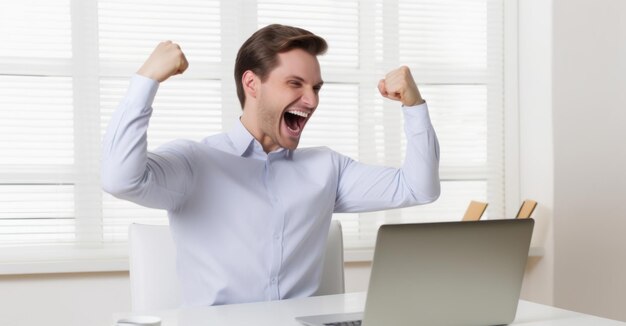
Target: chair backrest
x,y
526,209
152,263
474,211
332,275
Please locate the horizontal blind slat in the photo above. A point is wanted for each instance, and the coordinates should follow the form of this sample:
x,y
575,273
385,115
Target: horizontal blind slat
x,y
130,30
28,25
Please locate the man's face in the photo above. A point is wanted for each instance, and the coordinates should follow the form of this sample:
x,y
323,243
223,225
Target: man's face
x,y
287,99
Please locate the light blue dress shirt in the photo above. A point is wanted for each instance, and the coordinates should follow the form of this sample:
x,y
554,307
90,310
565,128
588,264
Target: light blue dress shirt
x,y
251,226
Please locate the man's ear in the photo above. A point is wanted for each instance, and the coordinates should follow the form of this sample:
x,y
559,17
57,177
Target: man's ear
x,y
250,83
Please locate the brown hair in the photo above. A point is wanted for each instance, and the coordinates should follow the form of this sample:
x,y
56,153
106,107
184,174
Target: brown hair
x,y
259,52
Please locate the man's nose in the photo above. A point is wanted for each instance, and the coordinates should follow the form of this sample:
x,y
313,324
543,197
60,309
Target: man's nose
x,y
310,98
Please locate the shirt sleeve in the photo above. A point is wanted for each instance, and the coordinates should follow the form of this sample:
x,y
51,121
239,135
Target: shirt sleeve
x,y
158,180
363,187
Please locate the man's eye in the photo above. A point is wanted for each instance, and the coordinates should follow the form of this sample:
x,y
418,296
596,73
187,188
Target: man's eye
x,y
295,83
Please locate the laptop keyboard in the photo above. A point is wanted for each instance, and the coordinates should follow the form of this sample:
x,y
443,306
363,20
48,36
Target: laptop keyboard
x,y
346,323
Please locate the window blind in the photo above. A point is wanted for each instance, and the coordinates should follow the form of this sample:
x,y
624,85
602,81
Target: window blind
x,y
36,128
65,65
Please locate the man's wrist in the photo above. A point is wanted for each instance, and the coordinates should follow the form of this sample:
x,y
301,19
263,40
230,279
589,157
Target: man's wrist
x,y
419,101
417,104
145,73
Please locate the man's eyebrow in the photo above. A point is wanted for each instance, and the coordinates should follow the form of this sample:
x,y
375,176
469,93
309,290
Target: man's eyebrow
x,y
302,80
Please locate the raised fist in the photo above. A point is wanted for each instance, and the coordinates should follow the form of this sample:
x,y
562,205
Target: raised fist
x,y
399,85
166,60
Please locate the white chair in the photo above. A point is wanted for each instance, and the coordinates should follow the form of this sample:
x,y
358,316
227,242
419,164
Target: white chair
x,y
332,275
152,263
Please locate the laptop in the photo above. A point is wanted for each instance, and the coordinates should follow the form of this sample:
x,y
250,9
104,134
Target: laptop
x,y
448,273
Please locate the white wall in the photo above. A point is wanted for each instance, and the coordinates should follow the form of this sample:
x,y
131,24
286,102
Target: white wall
x,y
536,167
589,112
78,299
572,110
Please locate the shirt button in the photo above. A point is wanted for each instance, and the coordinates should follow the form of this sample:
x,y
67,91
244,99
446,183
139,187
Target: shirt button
x,y
277,237
273,280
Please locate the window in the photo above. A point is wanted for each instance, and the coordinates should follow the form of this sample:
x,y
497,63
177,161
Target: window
x,y
65,64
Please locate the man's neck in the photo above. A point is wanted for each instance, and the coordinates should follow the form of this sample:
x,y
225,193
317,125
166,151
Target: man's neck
x,y
266,142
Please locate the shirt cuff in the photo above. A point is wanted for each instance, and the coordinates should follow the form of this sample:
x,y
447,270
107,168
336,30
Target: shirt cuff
x,y
417,116
142,91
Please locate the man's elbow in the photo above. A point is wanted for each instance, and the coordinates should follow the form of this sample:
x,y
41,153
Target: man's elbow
x,y
112,187
432,193
433,197
429,198
115,183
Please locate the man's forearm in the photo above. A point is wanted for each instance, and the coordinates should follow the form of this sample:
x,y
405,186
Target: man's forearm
x,y
421,163
124,146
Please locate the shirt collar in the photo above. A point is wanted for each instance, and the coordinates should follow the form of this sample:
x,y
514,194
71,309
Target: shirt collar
x,y
240,137
246,145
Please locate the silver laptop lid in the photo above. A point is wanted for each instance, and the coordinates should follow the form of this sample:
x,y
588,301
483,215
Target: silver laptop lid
x,y
453,273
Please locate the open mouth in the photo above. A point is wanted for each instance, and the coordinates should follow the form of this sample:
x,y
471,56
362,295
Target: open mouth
x,y
295,121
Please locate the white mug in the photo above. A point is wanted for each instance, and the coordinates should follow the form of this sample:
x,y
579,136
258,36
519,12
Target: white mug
x,y
139,321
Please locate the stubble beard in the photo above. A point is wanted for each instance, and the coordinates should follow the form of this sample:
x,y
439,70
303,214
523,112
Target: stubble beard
x,y
270,123
271,120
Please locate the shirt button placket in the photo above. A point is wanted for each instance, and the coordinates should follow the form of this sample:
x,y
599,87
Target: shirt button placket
x,y
277,229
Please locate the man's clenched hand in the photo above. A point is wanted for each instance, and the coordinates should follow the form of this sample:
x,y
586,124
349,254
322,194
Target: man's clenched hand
x,y
399,85
166,60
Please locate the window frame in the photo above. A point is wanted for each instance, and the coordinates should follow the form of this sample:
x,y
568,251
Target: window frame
x,y
86,76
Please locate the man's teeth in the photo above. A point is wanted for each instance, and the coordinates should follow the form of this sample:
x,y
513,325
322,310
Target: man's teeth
x,y
299,113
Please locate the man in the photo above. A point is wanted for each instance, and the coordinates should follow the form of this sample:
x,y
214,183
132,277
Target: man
x,y
249,212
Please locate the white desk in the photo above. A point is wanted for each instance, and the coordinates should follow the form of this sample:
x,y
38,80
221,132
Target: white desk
x,y
283,313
